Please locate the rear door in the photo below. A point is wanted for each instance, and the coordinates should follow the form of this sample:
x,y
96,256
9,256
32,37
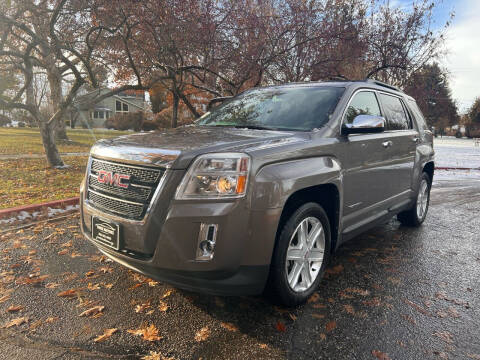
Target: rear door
x,y
402,138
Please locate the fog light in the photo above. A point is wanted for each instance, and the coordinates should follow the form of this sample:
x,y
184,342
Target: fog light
x,y
206,241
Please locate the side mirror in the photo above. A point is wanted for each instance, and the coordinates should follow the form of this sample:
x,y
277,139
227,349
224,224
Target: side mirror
x,y
365,124
217,100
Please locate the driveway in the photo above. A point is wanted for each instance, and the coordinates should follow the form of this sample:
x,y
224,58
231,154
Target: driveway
x,y
391,293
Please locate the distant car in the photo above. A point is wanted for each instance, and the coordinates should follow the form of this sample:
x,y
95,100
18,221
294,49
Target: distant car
x,y
258,193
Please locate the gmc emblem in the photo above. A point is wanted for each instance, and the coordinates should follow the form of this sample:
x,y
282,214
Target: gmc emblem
x,y
113,179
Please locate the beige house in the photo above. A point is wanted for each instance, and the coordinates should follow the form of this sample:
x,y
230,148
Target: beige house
x,y
88,111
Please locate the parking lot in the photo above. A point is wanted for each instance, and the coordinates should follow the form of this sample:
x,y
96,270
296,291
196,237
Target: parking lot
x,y
391,293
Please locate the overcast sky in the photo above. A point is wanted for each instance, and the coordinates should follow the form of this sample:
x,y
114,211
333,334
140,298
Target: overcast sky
x,y
463,46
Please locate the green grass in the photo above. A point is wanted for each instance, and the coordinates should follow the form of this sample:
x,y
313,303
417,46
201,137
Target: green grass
x,y
31,181
29,141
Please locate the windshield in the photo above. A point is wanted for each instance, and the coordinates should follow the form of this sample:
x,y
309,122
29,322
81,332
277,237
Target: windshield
x,y
282,108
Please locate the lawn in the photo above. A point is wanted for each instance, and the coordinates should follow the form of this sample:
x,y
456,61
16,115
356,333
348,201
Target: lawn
x,y
29,141
29,181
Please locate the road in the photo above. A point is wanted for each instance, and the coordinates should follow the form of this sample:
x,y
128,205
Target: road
x,y
392,293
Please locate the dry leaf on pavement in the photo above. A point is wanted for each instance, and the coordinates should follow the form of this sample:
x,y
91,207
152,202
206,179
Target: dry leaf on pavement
x,y
106,334
156,356
15,308
330,326
149,333
71,293
51,319
202,334
281,326
92,311
229,326
163,306
16,322
380,355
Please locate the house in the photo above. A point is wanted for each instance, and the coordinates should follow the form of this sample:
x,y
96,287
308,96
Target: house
x,y
86,111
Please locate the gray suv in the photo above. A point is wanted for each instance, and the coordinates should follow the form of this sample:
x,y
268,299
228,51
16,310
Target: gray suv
x,y
258,193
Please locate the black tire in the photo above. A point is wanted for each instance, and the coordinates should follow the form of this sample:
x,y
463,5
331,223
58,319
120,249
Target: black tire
x,y
411,216
278,287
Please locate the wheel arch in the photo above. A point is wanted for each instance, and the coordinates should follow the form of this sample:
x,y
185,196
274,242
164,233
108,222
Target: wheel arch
x,y
429,168
326,195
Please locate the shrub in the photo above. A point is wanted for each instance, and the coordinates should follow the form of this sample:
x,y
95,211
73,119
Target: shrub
x,y
127,121
4,120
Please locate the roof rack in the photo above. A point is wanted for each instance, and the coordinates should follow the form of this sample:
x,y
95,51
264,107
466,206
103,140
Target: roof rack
x,y
380,83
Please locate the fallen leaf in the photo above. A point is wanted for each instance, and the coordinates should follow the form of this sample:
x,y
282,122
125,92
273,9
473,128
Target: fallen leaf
x,y
263,346
292,316
372,302
202,334
149,333
167,293
349,309
141,307
156,356
93,287
445,336
105,269
281,326
89,273
33,326
313,298
229,326
319,306
52,285
318,316
323,336
51,319
63,252
4,298
380,355
108,286
152,283
92,311
15,308
163,306
16,322
335,270
106,334
75,254
330,326
71,293
417,307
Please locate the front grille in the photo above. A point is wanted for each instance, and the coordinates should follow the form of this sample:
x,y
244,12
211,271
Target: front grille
x,y
130,202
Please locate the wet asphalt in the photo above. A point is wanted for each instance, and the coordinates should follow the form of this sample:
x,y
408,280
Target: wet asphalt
x,y
391,293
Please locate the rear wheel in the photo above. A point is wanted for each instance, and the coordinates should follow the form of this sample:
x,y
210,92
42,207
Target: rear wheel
x,y
416,215
301,253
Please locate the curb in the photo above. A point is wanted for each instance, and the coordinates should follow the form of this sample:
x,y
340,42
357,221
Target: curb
x,y
454,168
34,207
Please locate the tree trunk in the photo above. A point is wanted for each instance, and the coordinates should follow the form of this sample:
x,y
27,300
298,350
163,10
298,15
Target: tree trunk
x,y
48,139
175,109
55,82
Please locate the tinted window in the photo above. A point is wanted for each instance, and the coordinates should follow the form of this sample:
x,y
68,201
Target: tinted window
x,y
118,105
288,108
397,119
422,124
363,103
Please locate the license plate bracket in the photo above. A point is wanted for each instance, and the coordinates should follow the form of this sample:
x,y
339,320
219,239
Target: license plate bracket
x,y
106,232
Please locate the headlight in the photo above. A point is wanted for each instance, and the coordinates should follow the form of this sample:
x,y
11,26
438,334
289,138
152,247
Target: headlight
x,y
218,175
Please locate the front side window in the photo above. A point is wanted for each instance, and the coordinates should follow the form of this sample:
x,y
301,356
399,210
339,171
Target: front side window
x,y
125,107
300,108
363,103
397,119
118,105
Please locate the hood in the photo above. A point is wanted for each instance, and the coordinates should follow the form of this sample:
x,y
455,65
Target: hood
x,y
175,148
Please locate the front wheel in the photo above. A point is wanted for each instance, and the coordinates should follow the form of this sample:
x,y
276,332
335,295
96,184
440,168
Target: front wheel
x,y
417,214
300,256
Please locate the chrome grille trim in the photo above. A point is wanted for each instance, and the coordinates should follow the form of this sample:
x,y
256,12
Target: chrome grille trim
x,y
131,203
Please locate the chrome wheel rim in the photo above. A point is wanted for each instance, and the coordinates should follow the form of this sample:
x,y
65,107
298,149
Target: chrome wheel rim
x,y
422,199
305,254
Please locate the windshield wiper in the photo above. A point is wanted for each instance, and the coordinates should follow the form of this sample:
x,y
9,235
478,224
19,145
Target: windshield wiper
x,y
254,127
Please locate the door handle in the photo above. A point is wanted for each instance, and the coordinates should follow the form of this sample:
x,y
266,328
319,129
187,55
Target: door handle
x,y
387,144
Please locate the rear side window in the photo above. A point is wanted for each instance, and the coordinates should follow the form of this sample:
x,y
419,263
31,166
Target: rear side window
x,y
422,124
397,119
363,103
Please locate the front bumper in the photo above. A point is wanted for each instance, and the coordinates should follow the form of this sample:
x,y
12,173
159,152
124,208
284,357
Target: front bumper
x,y
163,245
